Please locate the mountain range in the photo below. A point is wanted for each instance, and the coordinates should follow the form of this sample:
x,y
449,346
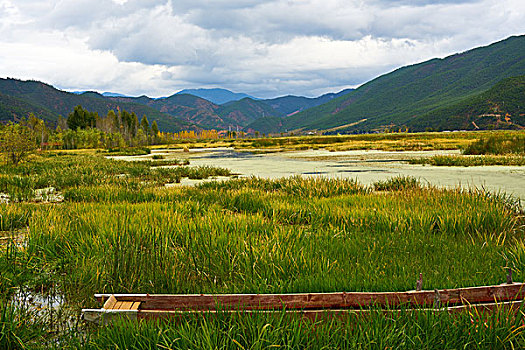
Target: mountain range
x,y
479,88
174,113
20,98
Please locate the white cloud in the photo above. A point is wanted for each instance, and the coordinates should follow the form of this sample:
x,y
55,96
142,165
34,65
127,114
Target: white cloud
x,y
264,48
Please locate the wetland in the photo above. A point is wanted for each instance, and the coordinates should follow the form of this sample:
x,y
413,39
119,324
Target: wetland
x,y
266,220
367,166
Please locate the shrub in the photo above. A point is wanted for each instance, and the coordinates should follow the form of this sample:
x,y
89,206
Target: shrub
x,y
498,144
398,183
16,143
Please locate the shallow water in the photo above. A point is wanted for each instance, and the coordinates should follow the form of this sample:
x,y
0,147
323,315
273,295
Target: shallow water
x,y
367,166
51,310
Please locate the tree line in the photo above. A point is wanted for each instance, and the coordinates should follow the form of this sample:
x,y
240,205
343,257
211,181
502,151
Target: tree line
x,y
85,129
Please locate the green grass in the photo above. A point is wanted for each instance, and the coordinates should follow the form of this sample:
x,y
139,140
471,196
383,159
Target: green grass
x,y
404,330
163,162
130,151
500,144
251,240
503,148
14,217
20,328
119,230
399,183
64,172
462,160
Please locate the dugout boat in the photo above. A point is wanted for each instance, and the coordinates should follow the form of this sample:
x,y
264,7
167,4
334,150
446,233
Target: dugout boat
x,y
310,305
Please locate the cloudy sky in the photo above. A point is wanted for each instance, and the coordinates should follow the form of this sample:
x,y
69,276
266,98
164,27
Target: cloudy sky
x,y
266,48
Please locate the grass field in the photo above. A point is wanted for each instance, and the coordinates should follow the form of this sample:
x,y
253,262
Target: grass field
x,y
479,148
503,148
387,142
118,229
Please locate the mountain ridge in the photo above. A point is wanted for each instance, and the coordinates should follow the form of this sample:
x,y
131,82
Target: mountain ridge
x,y
172,113
49,103
218,96
394,98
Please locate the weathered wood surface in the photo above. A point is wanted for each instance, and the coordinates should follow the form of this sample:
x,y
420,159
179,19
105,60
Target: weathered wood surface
x,y
110,302
350,300
105,316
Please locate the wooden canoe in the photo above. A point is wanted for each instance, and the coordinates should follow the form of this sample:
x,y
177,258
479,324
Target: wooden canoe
x,y
135,306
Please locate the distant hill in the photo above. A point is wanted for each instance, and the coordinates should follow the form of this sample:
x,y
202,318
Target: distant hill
x,y
48,103
267,124
192,109
217,96
105,94
288,105
113,94
209,115
500,107
395,99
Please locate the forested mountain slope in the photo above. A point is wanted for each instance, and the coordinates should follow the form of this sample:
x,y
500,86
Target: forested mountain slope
x,y
48,103
500,107
395,99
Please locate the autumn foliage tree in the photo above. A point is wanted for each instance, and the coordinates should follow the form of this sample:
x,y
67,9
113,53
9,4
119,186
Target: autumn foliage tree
x,y
16,142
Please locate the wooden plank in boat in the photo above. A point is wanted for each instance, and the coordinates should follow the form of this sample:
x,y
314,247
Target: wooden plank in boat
x,y
117,305
126,305
110,303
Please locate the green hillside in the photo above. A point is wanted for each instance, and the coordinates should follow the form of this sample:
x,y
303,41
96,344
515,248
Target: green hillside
x,y
394,99
268,124
12,108
502,106
245,111
48,103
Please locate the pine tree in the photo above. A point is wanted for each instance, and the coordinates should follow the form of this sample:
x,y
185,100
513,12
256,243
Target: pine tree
x,y
81,118
155,131
114,123
144,124
134,124
76,119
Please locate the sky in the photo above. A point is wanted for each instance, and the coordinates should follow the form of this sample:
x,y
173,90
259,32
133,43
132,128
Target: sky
x,y
265,48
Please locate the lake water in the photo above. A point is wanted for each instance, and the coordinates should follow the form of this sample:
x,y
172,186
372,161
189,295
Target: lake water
x,y
367,166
